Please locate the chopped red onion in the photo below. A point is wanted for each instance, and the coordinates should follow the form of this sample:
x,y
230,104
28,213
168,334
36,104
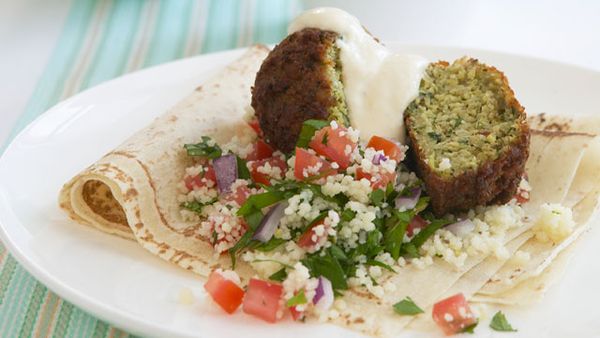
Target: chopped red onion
x,y
323,294
269,223
408,202
225,171
461,228
378,158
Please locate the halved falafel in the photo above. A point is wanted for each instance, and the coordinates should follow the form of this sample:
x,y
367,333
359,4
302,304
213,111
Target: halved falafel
x,y
469,136
300,79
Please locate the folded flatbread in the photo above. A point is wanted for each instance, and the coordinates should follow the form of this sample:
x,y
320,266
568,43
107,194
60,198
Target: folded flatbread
x,y
132,192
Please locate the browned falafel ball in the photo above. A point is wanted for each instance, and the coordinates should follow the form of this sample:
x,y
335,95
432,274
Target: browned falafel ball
x,y
299,80
469,136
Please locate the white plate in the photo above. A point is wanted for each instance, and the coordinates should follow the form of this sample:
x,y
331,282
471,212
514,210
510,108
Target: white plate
x,y
121,283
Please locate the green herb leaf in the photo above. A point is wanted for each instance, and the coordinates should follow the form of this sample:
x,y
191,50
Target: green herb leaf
x,y
206,148
298,299
377,197
394,234
273,261
434,136
427,232
271,245
241,244
471,328
325,139
372,262
328,266
253,219
347,215
309,127
279,276
407,307
421,204
337,253
499,323
259,201
242,169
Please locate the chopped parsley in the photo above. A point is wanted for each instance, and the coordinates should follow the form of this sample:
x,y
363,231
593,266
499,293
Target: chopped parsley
x,y
298,299
206,148
279,275
499,323
326,264
325,139
309,128
471,328
435,136
407,307
196,206
242,169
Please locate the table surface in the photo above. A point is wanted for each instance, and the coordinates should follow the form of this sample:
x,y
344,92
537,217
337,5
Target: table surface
x,y
52,49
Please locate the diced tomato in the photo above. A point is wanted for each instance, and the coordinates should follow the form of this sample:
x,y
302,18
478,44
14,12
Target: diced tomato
x,y
390,148
197,181
261,151
224,292
262,178
381,179
254,124
416,222
262,299
306,239
296,315
334,145
453,314
306,160
239,195
521,198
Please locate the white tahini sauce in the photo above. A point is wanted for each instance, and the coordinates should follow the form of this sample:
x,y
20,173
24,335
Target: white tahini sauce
x,y
378,84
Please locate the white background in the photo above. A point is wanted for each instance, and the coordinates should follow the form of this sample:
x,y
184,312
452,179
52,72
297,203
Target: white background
x,y
566,31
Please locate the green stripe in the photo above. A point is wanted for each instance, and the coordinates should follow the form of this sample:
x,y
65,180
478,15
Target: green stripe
x,y
33,308
116,43
221,25
7,273
271,18
170,31
64,319
77,323
100,330
45,320
19,290
50,86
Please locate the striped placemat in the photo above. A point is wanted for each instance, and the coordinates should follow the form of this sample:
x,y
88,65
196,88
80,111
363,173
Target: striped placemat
x,y
103,39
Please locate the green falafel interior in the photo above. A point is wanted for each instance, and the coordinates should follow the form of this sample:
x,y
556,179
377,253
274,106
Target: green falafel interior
x,y
462,117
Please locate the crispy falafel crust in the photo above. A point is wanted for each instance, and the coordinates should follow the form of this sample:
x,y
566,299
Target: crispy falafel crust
x,y
493,182
292,86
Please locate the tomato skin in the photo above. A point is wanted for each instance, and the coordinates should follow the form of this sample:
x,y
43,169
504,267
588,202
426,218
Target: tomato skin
x,y
381,180
239,195
306,240
451,307
196,181
262,299
416,222
261,151
254,124
304,160
390,148
259,177
224,292
329,143
296,315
